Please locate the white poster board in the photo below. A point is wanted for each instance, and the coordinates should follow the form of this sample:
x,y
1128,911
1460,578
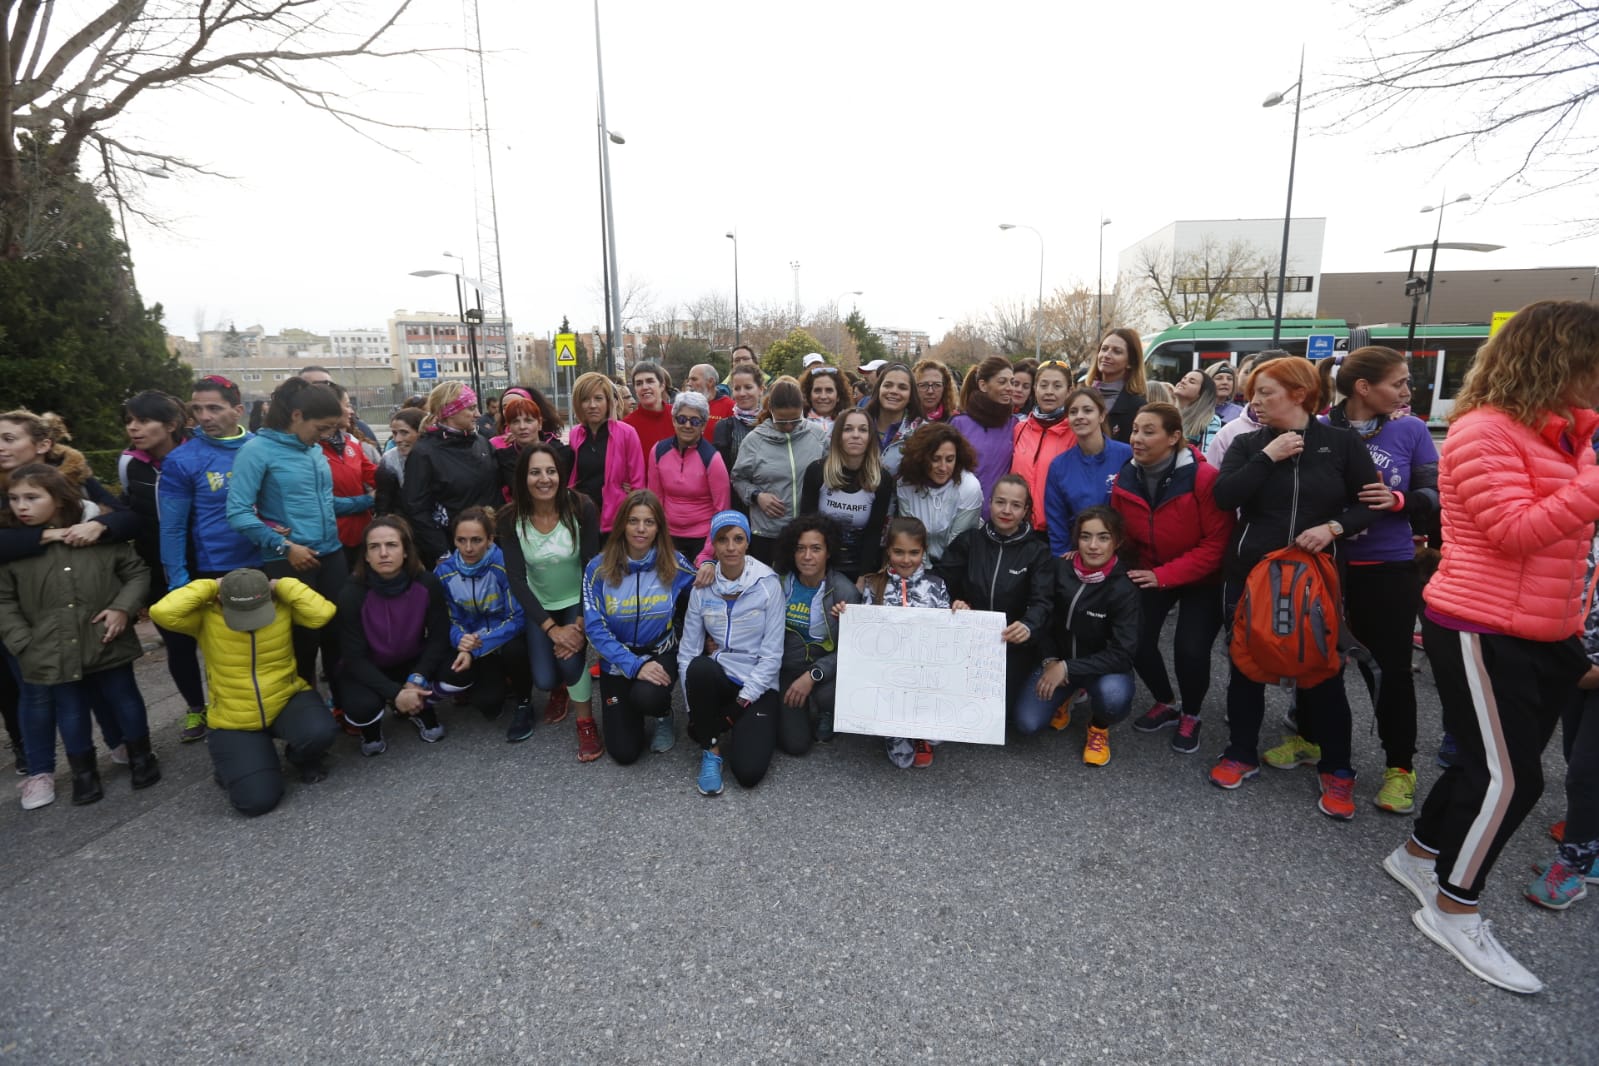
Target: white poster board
x,y
920,672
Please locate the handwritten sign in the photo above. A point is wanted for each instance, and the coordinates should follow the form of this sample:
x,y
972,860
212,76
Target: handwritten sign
x,y
922,673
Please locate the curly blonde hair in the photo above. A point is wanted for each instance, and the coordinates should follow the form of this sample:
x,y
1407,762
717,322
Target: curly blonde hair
x,y
1532,366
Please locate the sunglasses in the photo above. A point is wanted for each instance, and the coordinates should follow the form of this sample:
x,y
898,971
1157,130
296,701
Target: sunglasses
x,y
688,420
787,422
833,370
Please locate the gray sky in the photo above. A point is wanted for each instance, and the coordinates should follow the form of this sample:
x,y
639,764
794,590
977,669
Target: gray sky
x,y
878,142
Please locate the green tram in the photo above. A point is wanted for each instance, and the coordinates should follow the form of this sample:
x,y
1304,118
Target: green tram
x,y
1438,363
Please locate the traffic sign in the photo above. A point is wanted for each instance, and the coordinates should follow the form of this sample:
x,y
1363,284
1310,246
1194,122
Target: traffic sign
x,y
1499,319
427,368
1320,345
566,349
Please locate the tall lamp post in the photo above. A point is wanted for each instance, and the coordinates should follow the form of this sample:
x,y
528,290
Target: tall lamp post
x,y
461,280
1038,309
738,337
838,337
1298,89
1100,288
607,202
1415,287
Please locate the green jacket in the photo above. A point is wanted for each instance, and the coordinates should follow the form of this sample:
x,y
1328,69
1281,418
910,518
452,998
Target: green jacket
x,y
48,601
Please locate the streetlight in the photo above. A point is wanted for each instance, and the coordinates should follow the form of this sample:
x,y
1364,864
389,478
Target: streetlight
x,y
471,339
737,336
1297,88
1416,287
1038,337
1437,233
1099,335
607,202
838,330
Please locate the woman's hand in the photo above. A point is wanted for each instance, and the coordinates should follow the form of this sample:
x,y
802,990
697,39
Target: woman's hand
x,y
1144,579
705,575
960,605
568,640
1378,497
655,674
462,663
469,642
1016,633
83,534
838,609
1284,446
411,699
772,505
799,691
301,558
1315,539
1053,677
115,622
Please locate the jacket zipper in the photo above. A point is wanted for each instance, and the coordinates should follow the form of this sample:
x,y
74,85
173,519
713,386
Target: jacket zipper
x,y
1071,612
255,680
993,582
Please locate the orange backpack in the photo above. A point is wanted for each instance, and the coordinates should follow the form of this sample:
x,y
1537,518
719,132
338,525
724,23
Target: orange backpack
x,y
1289,626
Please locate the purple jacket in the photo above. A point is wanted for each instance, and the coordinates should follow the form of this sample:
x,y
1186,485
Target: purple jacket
x,y
994,448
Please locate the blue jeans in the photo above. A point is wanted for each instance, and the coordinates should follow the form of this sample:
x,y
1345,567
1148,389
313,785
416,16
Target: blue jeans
x,y
1109,695
46,708
550,672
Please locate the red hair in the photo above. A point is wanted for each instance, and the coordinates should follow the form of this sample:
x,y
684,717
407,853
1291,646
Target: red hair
x,y
1292,374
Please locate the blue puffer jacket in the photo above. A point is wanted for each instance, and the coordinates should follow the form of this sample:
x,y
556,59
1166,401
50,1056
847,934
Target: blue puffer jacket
x,y
1076,482
192,497
635,621
278,479
480,600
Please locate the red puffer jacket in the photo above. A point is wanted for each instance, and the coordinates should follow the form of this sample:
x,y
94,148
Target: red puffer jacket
x,y
1183,536
354,478
1519,506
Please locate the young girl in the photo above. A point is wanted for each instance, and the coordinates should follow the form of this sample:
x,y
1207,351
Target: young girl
x,y
1091,638
906,582
486,621
65,615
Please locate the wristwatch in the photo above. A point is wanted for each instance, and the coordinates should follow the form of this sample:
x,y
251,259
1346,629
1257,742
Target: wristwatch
x,y
816,674
1336,527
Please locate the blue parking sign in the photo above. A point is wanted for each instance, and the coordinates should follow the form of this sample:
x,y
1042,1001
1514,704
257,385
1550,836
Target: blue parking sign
x,y
1320,345
427,368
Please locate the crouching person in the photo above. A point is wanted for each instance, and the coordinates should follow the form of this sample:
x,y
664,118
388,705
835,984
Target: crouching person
x,y
244,624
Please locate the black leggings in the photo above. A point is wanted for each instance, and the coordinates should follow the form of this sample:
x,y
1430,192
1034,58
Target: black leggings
x,y
796,725
714,714
328,580
1199,618
364,707
627,702
485,681
1580,735
1380,601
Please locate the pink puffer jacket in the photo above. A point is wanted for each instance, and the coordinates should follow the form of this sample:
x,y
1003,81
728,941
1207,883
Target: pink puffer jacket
x,y
1518,518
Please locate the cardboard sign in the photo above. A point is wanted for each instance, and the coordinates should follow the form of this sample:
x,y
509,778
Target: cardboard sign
x,y
924,673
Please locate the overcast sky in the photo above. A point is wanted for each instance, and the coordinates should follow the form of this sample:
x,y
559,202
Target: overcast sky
x,y
879,143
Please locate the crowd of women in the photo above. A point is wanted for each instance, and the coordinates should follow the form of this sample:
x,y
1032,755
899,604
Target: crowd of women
x,y
712,537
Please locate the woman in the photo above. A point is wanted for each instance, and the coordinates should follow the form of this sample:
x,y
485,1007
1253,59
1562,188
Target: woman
x,y
486,621
1118,373
548,534
896,412
1294,481
404,430
634,595
280,498
1176,537
451,468
1382,586
1082,476
822,387
985,420
651,419
1001,566
936,389
812,589
1226,379
354,479
1042,434
731,655
526,417
771,465
745,382
1090,641
1519,491
850,486
1023,373
395,629
688,475
937,485
1196,399
607,462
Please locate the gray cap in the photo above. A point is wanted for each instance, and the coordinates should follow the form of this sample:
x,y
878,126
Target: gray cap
x,y
246,597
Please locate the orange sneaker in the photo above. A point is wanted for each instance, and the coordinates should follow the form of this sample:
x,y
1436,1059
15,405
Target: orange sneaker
x,y
1338,795
924,753
1230,773
589,744
1096,752
1557,832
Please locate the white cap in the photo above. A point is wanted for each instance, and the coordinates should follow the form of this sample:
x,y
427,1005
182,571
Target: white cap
x,y
875,364
812,360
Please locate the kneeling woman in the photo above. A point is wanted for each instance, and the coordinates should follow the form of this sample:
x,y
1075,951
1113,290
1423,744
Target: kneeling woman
x,y
395,635
486,621
730,657
634,595
811,587
1092,636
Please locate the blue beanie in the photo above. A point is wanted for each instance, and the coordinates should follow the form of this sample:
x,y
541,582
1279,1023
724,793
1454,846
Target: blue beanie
x,y
722,519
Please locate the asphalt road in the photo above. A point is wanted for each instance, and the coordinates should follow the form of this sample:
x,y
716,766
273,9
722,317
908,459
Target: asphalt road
x,y
478,901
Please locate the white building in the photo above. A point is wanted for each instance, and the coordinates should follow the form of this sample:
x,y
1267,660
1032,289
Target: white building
x,y
350,346
445,339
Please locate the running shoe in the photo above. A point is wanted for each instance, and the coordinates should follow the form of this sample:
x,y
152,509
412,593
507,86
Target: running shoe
x,y
1158,717
1557,832
1096,750
370,748
521,726
1186,739
664,736
1469,938
1338,795
589,744
1294,751
193,727
1398,792
1556,886
924,754
1446,751
557,705
1416,873
39,790
431,734
1230,773
709,780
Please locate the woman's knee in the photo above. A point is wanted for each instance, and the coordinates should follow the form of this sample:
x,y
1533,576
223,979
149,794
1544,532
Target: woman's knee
x,y
257,793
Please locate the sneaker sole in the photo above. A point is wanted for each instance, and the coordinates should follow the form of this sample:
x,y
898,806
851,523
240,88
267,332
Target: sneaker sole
x,y
1296,764
1397,872
1140,727
1421,920
1337,816
718,792
1381,806
185,738
514,738
1245,777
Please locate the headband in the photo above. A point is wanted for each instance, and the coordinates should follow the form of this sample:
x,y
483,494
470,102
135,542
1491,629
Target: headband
x,y
463,399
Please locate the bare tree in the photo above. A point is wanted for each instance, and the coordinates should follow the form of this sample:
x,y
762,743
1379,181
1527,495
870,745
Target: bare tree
x,y
1009,327
1072,321
1521,74
1210,281
966,344
62,87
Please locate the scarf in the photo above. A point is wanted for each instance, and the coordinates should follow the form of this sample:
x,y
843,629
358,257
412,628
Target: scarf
x,y
986,412
1049,418
476,568
747,417
1091,577
389,586
936,414
729,588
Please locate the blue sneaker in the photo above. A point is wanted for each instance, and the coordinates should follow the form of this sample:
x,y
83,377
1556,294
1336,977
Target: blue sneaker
x,y
1446,752
1556,886
710,779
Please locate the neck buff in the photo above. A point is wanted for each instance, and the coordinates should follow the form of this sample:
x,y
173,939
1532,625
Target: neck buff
x,y
746,417
388,586
1095,576
986,412
1049,418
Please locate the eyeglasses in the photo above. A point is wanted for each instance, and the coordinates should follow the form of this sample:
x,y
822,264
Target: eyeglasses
x,y
930,386
688,420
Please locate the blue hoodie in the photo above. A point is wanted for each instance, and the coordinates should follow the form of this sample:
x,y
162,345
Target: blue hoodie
x,y
278,479
631,623
480,600
192,498
1076,482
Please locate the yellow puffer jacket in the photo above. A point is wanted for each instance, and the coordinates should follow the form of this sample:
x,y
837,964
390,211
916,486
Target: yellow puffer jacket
x,y
251,676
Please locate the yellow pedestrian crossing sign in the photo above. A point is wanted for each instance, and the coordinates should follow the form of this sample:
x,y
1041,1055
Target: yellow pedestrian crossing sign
x,y
566,349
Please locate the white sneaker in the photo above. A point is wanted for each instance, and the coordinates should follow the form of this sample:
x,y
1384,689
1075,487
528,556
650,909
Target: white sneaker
x,y
431,735
1417,874
1470,939
39,790
119,754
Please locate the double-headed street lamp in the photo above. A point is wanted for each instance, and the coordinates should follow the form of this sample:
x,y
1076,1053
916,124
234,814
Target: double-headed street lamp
x,y
1415,287
1038,309
737,335
1298,89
